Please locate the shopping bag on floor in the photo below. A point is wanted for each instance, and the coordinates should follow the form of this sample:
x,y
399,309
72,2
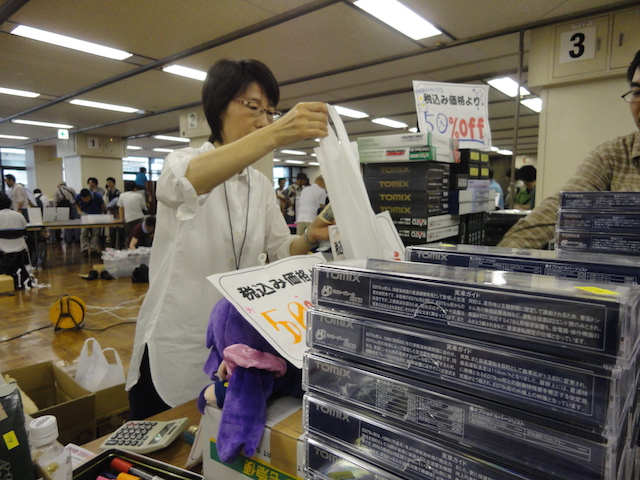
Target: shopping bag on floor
x,y
340,167
94,371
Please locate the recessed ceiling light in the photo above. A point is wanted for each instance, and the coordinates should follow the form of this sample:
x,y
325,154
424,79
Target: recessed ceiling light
x,y
186,72
18,93
508,86
534,104
69,42
293,152
387,122
42,124
296,162
105,106
166,150
172,139
398,16
14,137
348,112
133,147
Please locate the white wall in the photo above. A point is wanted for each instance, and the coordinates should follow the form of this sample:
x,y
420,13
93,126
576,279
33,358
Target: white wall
x,y
574,120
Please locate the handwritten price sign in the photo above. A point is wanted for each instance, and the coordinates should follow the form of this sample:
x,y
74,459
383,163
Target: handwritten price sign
x,y
274,299
456,110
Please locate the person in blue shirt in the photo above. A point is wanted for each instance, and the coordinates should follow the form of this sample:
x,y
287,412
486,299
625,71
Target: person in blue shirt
x,y
141,179
90,203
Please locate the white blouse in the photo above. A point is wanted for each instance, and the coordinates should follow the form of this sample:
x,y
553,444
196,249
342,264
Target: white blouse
x,y
192,241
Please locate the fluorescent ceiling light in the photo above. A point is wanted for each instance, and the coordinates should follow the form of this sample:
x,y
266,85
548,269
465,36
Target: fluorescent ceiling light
x,y
68,42
534,104
348,112
293,152
505,152
186,72
105,106
20,151
136,159
387,122
297,162
14,137
167,150
413,129
508,86
276,160
313,164
134,147
42,124
494,149
396,15
18,93
172,139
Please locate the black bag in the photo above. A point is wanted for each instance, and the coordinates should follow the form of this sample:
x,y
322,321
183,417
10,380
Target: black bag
x,y
140,274
65,202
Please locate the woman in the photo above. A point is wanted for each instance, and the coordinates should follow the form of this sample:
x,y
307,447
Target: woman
x,y
215,214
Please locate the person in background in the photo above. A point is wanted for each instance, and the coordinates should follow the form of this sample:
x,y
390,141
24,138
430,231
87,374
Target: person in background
x,y
142,234
17,193
292,193
90,203
92,185
612,166
497,188
512,190
65,196
215,214
282,201
13,251
312,200
41,199
526,197
111,199
131,206
141,183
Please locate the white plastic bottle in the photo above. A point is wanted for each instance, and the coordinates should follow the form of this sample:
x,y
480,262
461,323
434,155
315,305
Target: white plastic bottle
x,y
46,451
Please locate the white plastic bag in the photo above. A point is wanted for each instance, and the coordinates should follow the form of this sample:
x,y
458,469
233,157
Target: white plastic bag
x,y
94,371
340,167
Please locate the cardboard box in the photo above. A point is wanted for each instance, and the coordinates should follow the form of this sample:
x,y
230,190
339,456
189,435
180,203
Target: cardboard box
x,y
56,393
6,283
280,453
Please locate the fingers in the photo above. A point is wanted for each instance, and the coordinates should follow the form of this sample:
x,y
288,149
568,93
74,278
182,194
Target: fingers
x,y
303,121
222,370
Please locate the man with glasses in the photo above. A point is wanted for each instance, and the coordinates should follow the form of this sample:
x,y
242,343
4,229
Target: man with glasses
x,y
612,166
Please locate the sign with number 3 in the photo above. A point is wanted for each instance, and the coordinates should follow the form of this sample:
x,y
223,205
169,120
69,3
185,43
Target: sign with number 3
x,y
578,44
274,299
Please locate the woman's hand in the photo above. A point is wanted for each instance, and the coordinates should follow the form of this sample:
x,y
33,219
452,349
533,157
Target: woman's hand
x,y
222,370
304,121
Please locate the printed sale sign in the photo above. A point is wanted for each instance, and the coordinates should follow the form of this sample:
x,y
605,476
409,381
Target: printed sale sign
x,y
458,110
274,299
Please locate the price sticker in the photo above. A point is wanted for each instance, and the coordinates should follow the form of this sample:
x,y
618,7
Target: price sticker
x,y
274,299
459,111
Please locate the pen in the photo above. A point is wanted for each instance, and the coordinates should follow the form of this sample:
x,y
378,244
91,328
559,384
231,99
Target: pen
x,y
123,466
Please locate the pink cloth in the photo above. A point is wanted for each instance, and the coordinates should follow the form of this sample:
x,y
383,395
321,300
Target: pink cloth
x,y
240,355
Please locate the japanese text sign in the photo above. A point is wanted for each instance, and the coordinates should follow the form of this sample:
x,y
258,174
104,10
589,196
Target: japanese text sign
x,y
274,299
457,110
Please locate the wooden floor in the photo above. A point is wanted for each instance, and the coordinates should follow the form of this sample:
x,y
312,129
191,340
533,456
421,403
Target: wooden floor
x,y
27,335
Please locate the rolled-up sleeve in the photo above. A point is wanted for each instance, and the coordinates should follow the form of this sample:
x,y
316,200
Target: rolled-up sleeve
x,y
174,190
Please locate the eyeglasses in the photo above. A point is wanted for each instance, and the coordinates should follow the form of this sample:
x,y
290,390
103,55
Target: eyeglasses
x,y
257,109
632,96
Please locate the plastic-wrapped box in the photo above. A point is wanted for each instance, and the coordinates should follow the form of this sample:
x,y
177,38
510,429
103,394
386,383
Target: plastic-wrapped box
x,y
594,241
544,447
600,201
572,265
122,263
581,320
386,446
325,462
592,396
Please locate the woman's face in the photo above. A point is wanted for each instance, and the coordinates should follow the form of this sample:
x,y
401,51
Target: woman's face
x,y
239,120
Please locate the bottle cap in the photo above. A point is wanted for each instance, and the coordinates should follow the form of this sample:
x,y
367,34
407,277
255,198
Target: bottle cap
x,y
120,465
43,430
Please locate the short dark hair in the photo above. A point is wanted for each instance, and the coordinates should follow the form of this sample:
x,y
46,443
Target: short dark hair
x,y
635,63
5,201
92,179
302,176
150,222
143,169
85,192
37,190
8,176
527,173
227,79
112,179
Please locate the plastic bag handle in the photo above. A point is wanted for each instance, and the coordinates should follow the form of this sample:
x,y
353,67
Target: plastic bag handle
x,y
116,356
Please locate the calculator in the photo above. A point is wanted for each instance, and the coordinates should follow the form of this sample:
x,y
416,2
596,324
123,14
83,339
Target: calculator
x,y
144,436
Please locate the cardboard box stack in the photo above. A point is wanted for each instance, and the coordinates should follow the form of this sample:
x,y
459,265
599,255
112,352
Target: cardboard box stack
x,y
599,222
436,372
